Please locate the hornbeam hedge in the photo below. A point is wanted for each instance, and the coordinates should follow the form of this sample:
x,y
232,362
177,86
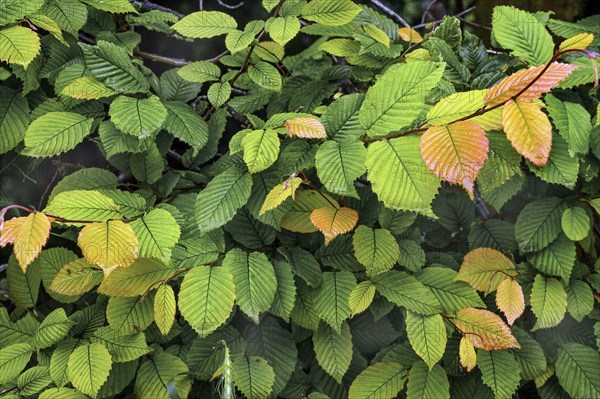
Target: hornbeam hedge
x,y
385,212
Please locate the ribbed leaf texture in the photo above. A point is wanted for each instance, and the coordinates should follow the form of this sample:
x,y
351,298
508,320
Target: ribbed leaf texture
x,y
333,221
406,291
331,299
206,298
255,282
548,302
28,234
298,219
382,380
13,359
430,383
185,124
578,370
253,376
331,12
538,223
87,88
451,294
484,329
575,223
280,193
89,366
485,269
307,128
510,299
14,118
76,278
205,24
129,315
283,29
557,259
33,380
137,279
455,152
467,354
55,133
157,232
109,245
455,106
427,336
83,205
265,75
261,149
377,250
499,371
165,307
121,349
333,349
361,297
140,117
399,176
580,41
398,96
18,45
340,164
52,329
162,376
572,121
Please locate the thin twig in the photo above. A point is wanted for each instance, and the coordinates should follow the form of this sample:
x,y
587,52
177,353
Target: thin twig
x,y
178,62
391,13
431,3
148,5
201,5
229,6
460,14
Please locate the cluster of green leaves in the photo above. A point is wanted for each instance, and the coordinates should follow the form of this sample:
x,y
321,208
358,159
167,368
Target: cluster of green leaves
x,y
391,212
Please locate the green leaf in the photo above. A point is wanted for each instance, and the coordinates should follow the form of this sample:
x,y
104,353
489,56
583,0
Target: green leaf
x,y
253,376
70,15
411,256
500,372
165,307
548,302
331,300
538,223
76,278
238,40
14,118
399,176
135,280
89,366
331,12
157,232
23,287
261,149
13,10
218,203
265,75
185,124
60,359
255,282
62,393
576,223
382,380
206,298
298,217
52,329
427,336
147,166
427,383
112,6
205,24
573,123
13,360
578,370
194,252
377,250
557,259
580,299
122,349
130,315
200,72
163,376
55,133
361,297
87,88
530,356
140,117
340,164
522,33
33,380
406,291
455,106
333,349
303,264
218,93
283,29
112,65
561,168
397,98
18,45
285,296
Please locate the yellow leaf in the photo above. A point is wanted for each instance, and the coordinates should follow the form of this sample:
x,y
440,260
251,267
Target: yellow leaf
x,y
28,234
491,120
164,308
484,329
76,278
410,35
513,84
455,152
298,218
109,244
308,128
10,230
467,354
333,221
529,130
377,34
510,299
280,193
485,268
578,42
455,106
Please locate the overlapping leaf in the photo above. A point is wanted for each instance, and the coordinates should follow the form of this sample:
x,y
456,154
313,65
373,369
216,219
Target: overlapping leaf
x,y
484,329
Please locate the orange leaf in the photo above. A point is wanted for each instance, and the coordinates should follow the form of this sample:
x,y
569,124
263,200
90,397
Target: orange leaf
x,y
529,130
510,299
513,84
485,268
333,221
308,128
484,329
29,234
455,152
109,244
467,354
410,35
578,42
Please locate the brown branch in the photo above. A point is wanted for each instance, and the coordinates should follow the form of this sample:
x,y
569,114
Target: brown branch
x,y
391,13
178,62
148,5
459,15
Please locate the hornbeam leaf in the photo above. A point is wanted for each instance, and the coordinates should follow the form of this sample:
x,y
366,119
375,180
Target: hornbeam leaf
x,y
405,290
122,349
265,75
55,133
165,307
157,232
424,383
163,376
280,193
361,297
130,315
18,45
455,106
140,117
261,149
548,302
14,118
485,268
283,29
34,380
308,128
382,380
578,370
410,35
484,329
331,302
467,354
510,299
298,219
539,223
205,24
253,376
52,329
397,98
452,295
112,6
578,42
576,224
76,278
13,360
455,152
529,130
573,122
377,250
580,299
137,279
111,244
89,366
331,12
29,235
333,221
427,336
399,176
499,371
340,164
87,88
206,298
200,72
333,349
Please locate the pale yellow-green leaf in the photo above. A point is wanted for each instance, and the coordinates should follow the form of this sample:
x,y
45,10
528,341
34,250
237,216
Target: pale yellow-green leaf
x,y
87,88
164,308
18,45
280,193
109,245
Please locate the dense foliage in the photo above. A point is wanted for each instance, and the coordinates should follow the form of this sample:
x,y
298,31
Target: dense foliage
x,y
388,212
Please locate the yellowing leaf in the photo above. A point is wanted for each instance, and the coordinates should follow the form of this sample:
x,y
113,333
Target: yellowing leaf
x,y
28,234
109,245
280,193
485,268
410,35
298,218
578,42
333,221
467,354
76,278
87,88
308,128
455,106
164,308
510,299
529,130
484,329
377,34
10,230
361,297
513,84
455,152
